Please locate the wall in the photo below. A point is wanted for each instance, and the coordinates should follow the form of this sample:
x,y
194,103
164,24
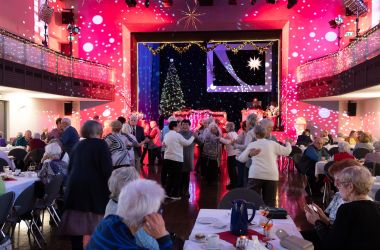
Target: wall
x,y
367,117
25,112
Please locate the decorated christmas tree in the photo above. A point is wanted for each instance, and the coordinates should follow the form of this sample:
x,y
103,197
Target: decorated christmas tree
x,y
172,96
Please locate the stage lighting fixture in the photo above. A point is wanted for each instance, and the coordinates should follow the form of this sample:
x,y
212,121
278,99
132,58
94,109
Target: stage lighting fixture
x,y
291,3
253,2
147,3
272,1
232,2
206,2
167,3
131,3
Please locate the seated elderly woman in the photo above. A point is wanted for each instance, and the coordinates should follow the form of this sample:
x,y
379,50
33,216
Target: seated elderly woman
x,y
119,178
344,152
357,221
138,205
364,141
52,164
375,156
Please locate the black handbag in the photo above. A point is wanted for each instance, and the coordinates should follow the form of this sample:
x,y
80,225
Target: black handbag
x,y
277,213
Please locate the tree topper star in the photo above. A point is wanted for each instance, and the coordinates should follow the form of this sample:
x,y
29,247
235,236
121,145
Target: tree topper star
x,y
254,63
191,17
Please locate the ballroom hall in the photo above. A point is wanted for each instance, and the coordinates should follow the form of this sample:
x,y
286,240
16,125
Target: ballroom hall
x,y
189,124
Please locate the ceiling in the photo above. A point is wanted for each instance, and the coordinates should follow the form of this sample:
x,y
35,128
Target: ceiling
x,y
4,91
368,93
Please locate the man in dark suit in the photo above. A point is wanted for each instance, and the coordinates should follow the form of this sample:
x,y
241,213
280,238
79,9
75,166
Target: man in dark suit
x,y
69,135
138,132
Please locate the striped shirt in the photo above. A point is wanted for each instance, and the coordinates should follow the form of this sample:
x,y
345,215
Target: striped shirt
x,y
117,144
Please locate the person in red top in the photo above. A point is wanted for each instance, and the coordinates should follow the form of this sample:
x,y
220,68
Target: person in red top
x,y
35,143
344,152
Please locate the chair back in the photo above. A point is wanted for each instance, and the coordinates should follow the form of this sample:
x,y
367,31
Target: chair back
x,y
34,157
6,201
360,153
243,194
295,150
373,167
19,155
3,163
333,151
25,201
377,195
52,189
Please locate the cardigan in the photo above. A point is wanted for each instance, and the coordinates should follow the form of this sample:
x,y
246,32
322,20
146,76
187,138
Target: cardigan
x,y
89,170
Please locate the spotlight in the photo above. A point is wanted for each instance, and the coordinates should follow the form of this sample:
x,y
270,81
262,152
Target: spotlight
x,y
147,2
272,1
291,3
131,3
253,2
232,2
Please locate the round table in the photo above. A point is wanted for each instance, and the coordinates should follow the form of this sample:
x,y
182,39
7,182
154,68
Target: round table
x,y
20,184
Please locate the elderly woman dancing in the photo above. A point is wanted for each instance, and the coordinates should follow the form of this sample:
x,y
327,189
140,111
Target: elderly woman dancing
x,y
138,206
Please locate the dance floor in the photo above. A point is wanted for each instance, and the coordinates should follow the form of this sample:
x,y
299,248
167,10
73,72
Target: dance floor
x,y
180,215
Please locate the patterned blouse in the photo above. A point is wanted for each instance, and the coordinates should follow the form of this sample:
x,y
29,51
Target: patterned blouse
x,y
332,208
118,145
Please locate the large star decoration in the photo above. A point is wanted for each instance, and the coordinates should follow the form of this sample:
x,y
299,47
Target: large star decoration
x,y
254,63
191,17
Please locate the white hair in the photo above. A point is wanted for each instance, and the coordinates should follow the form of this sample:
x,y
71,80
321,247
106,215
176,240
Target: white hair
x,y
172,119
37,136
360,178
376,145
126,129
251,120
230,126
53,151
138,199
133,116
119,178
344,147
66,120
266,122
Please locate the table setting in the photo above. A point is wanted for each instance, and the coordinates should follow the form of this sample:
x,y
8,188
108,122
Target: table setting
x,y
17,181
226,229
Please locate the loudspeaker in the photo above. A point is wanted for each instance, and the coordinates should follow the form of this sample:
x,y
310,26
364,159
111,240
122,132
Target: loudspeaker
x,y
351,108
68,108
67,17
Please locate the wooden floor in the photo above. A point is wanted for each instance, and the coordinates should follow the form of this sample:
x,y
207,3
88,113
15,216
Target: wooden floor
x,y
180,215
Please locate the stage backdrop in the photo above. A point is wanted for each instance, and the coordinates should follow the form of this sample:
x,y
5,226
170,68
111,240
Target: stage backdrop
x,y
194,69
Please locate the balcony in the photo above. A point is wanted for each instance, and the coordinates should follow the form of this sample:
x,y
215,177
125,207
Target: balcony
x,y
353,68
27,65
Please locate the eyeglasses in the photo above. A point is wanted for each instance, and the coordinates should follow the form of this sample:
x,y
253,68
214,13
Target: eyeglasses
x,y
339,183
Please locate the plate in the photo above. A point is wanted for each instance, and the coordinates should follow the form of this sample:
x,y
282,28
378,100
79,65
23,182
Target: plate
x,y
204,246
207,220
219,225
192,238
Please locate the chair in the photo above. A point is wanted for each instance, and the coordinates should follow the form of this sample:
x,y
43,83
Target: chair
x,y
34,157
6,201
333,151
292,158
360,153
240,193
377,195
23,211
51,193
19,155
3,163
373,167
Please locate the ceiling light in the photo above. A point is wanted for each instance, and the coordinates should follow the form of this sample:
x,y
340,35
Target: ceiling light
x,y
147,3
131,3
291,3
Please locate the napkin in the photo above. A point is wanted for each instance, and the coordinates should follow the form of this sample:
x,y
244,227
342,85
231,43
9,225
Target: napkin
x,y
231,238
7,178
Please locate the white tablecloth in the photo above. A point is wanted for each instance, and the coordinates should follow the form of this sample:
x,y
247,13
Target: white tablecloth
x,y
20,184
320,167
223,215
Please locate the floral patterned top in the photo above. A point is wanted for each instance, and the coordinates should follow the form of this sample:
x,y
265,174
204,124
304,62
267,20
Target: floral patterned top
x,y
332,208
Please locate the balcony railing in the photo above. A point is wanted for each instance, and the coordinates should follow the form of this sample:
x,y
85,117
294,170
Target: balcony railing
x,y
23,51
359,51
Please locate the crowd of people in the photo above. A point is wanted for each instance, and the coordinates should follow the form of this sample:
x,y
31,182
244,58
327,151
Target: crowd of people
x,y
125,208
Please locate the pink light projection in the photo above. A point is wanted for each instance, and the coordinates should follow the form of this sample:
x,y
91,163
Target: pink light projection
x,y
106,28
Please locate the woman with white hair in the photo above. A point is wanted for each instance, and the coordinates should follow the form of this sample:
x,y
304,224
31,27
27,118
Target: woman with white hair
x,y
119,178
86,194
357,221
138,206
210,152
344,152
52,165
268,124
263,174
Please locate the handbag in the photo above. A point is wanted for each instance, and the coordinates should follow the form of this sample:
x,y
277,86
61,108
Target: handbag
x,y
277,213
292,242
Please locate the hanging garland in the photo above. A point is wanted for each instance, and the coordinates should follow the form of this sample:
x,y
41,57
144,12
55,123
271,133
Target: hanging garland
x,y
208,49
